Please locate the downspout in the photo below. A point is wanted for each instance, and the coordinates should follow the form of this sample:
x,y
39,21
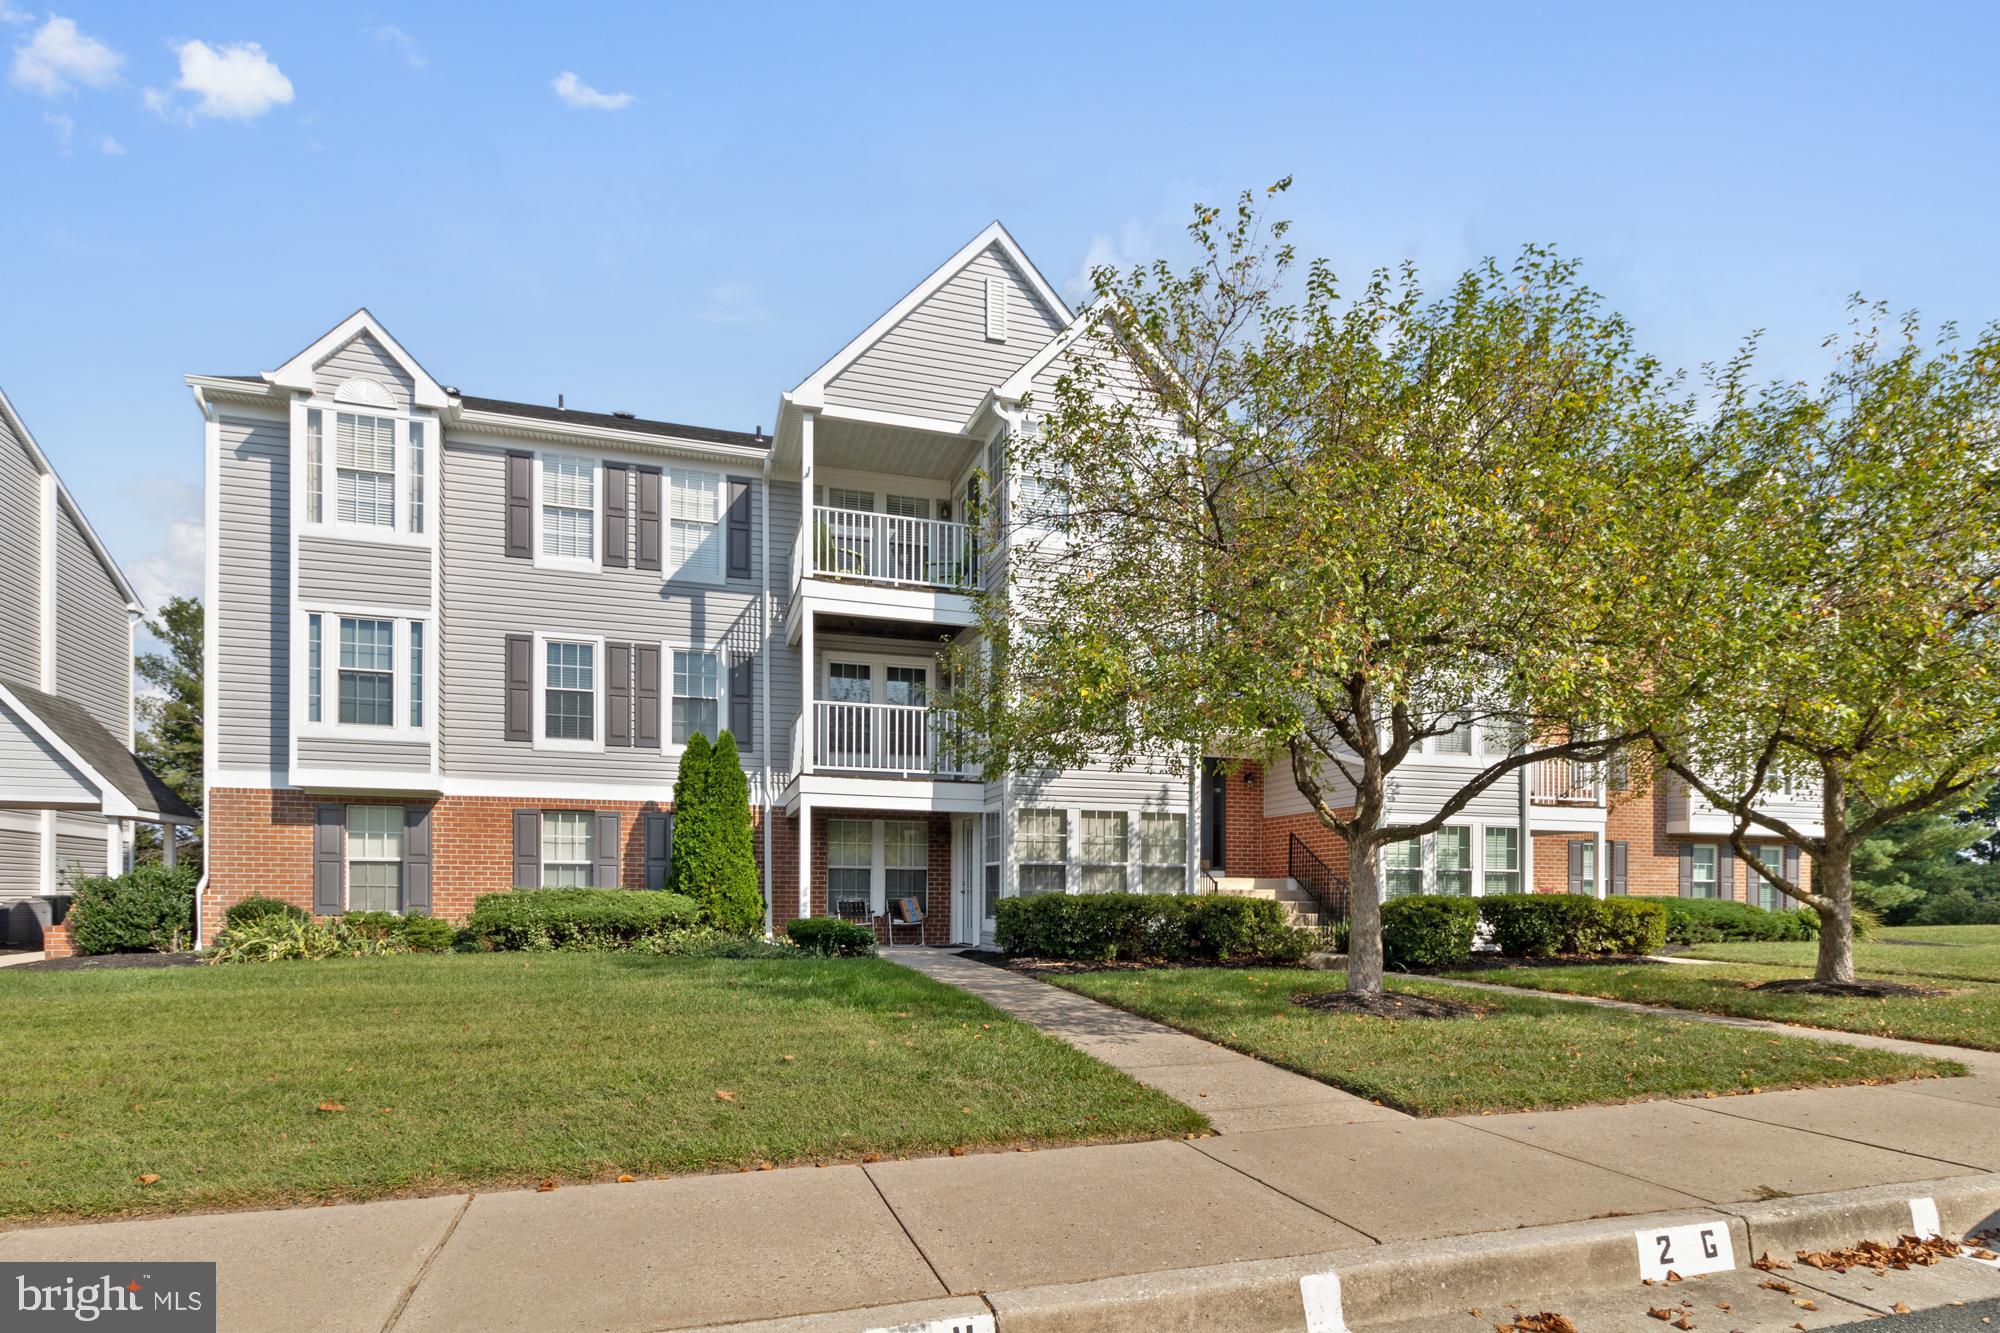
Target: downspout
x,y
211,445
764,679
1527,857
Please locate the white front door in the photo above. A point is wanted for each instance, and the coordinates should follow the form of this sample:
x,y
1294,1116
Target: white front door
x,y
966,879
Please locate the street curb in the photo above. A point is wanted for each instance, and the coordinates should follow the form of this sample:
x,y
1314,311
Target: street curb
x,y
946,1314
1782,1227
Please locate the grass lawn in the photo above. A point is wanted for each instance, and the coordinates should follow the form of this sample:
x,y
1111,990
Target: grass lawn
x,y
1968,1017
1523,1054
500,1069
1949,953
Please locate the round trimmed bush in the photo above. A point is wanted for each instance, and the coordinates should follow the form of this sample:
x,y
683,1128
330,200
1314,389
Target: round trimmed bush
x,y
1425,930
256,907
831,937
148,910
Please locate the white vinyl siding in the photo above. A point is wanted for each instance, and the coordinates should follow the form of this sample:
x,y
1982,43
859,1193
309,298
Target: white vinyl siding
x,y
374,858
568,848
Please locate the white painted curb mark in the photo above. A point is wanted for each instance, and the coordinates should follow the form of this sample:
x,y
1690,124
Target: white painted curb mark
x,y
958,1323
1699,1247
1321,1294
1924,1217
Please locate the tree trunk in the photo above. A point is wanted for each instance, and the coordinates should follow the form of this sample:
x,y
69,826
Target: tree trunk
x,y
1364,918
1833,879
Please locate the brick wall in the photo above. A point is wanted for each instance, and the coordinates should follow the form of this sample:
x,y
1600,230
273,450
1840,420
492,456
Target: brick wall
x,y
56,942
937,901
1245,843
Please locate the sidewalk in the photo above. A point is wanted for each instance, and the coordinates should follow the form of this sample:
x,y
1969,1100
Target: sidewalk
x,y
1301,1177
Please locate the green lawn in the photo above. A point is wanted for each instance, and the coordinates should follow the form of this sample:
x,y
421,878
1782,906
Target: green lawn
x,y
501,1069
1950,953
1970,1016
1524,1054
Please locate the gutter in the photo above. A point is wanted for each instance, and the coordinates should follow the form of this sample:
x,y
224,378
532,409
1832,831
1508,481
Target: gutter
x,y
764,681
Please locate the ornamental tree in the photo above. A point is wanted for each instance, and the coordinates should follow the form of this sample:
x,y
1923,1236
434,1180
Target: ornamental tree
x,y
1259,510
1849,640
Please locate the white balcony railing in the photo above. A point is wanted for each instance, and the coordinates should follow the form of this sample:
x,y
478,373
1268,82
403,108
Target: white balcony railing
x,y
1566,782
899,740
890,548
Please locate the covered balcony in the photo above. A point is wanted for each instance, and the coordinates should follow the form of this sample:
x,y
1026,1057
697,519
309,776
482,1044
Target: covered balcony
x,y
1566,782
894,550
877,740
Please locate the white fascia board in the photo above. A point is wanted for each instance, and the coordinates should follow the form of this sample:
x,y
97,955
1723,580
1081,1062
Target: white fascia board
x,y
113,802
41,461
298,372
464,422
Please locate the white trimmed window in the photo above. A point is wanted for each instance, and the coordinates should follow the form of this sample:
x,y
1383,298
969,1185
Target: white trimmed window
x,y
1704,879
365,672
1106,851
569,840
568,510
1162,852
1402,867
374,858
315,466
315,632
906,860
419,466
850,867
364,465
1456,741
1453,850
569,691
996,825
1762,892
697,694
1503,859
694,525
1041,848
367,473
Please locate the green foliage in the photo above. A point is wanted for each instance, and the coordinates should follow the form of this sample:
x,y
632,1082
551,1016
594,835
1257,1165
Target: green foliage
x,y
831,937
714,856
1708,920
1956,906
257,907
279,939
169,715
1427,930
584,919
413,931
1164,927
147,910
1545,925
708,942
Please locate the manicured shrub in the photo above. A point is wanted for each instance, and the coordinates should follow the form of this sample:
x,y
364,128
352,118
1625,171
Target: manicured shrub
x,y
1174,928
1545,925
582,919
1425,930
708,942
413,931
1710,920
256,907
831,937
148,910
714,861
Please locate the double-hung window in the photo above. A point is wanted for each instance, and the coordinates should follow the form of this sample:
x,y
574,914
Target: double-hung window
x,y
368,468
364,463
1402,867
694,525
1453,850
1704,879
1456,741
1162,852
1766,895
374,858
568,510
1105,851
697,694
367,672
1503,859
1041,846
569,690
905,859
568,848
850,867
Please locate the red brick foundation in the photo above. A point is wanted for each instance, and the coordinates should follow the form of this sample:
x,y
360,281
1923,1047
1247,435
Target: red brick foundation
x,y
785,884
56,942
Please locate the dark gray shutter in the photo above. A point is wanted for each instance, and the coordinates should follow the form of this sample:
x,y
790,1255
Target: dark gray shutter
x,y
1620,854
527,849
617,515
329,841
659,849
1791,876
520,687
417,859
742,699
1578,880
608,872
649,518
739,527
1725,871
1687,870
618,694
520,531
646,694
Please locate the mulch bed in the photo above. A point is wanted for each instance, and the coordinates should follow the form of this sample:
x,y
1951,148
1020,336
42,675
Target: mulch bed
x,y
1389,1004
98,962
1854,990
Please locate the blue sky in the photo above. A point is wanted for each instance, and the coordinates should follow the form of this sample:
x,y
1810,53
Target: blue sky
x,y
717,197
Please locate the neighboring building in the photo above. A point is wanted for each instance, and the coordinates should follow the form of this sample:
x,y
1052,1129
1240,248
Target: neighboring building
x,y
70,786
458,644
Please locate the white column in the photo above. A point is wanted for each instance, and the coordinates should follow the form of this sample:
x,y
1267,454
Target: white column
x,y
805,857
808,715
168,854
48,866
807,472
1603,872
1526,857
114,847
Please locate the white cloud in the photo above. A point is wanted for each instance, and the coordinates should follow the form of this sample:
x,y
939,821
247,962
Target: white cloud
x,y
111,147
59,56
393,37
9,14
1133,244
64,127
234,82
575,92
174,567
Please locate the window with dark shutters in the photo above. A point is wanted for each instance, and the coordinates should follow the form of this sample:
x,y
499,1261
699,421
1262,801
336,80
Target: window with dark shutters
x,y
1620,854
1687,870
329,844
519,677
1725,872
1578,875
417,859
527,849
648,524
646,695
617,515
608,848
618,694
520,520
739,527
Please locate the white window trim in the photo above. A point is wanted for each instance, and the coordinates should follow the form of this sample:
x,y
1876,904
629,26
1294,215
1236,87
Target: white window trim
x,y
544,561
589,863
329,524
668,647
330,615
347,859
678,573
539,739
878,674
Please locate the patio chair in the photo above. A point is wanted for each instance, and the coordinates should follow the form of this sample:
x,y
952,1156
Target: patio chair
x,y
906,912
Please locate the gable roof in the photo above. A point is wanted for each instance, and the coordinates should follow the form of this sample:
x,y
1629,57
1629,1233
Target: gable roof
x,y
41,461
297,373
812,389
103,758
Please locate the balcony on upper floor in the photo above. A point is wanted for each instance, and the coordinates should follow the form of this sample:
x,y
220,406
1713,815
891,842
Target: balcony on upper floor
x,y
1566,782
879,740
894,550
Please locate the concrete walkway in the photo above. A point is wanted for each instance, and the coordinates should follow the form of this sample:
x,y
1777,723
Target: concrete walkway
x,y
1300,1178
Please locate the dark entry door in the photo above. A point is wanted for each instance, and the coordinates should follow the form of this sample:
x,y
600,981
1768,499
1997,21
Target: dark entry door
x,y
1214,809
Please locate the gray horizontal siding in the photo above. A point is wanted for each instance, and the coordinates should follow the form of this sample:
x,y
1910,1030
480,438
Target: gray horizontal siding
x,y
20,861
78,854
363,356
253,613
936,361
20,562
486,596
93,645
787,673
1101,787
363,574
31,772
362,752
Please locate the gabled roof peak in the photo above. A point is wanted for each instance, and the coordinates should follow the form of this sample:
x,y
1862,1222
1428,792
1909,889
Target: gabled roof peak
x,y
297,373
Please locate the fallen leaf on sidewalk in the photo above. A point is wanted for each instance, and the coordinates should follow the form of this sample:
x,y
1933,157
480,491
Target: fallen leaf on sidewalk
x,y
1661,1315
547,1186
871,1157
624,1180
1899,1308
1779,1285
1803,1303
1548,1321
1767,1264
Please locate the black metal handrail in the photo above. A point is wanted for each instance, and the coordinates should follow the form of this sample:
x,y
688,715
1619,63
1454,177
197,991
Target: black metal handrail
x,y
1316,877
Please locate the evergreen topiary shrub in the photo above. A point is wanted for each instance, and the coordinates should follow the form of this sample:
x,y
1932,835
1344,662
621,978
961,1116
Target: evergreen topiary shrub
x,y
150,909
714,856
580,919
1545,925
831,937
1711,920
1424,930
256,908
1161,927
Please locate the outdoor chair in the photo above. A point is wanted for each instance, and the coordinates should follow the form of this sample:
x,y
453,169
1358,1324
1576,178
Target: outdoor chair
x,y
906,912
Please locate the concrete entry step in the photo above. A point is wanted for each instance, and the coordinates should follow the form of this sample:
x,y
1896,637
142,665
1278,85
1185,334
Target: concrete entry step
x,y
1301,908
